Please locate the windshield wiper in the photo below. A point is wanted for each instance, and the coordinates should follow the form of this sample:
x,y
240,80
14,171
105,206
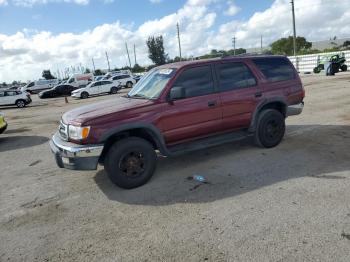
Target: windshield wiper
x,y
138,96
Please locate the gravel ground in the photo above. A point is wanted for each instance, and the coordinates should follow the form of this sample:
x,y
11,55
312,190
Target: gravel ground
x,y
289,203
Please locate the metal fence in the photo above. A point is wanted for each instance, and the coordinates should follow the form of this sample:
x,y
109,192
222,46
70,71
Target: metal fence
x,y
306,63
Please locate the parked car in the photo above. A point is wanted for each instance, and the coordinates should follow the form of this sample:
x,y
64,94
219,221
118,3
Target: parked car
x,y
97,88
125,80
79,80
18,98
60,90
40,85
177,108
3,124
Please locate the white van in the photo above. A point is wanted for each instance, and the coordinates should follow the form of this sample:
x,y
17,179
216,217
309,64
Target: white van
x,y
40,85
78,80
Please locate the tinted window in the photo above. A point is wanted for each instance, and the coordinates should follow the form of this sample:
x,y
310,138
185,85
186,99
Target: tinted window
x,y
275,68
31,84
106,82
197,81
234,76
10,93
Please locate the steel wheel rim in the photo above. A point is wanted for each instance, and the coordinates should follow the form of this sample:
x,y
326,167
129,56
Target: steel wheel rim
x,y
132,164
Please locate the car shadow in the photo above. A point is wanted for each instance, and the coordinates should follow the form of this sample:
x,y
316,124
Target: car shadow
x,y
8,143
313,151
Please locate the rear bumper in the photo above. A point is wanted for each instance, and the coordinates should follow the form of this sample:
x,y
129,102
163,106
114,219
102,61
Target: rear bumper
x,y
73,156
293,110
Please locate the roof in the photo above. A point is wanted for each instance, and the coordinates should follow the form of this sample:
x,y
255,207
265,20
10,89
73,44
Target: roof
x,y
204,61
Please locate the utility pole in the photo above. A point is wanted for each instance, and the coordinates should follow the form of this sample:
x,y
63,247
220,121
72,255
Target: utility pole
x,y
109,67
294,38
234,45
93,64
294,31
127,51
178,38
261,44
135,54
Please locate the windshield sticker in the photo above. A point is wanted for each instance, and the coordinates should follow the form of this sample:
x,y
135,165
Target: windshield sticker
x,y
165,71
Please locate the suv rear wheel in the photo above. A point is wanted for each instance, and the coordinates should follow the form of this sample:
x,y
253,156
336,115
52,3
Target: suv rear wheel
x,y
129,84
130,162
20,103
270,128
114,90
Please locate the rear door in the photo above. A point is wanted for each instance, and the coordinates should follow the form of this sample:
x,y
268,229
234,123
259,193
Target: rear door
x,y
239,93
198,113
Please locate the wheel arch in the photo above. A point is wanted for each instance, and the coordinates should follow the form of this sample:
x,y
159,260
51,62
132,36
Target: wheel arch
x,y
145,131
278,104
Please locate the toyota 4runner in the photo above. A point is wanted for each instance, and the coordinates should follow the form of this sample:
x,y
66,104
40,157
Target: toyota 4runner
x,y
177,108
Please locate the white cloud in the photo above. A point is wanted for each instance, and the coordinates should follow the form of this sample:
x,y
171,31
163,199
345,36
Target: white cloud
x,y
3,2
25,54
232,8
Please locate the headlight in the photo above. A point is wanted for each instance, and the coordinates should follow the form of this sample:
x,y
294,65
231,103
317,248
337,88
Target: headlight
x,y
78,132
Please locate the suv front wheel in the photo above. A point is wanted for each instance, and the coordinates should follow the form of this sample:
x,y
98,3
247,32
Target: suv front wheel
x,y
130,162
270,128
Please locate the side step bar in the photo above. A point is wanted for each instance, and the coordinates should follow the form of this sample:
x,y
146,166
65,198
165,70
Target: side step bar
x,y
208,142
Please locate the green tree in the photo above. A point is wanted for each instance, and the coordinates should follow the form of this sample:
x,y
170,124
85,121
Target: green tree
x,y
87,71
98,72
138,69
156,50
47,75
284,46
346,44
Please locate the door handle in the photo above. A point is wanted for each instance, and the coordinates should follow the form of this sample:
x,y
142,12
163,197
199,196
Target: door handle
x,y
258,94
211,103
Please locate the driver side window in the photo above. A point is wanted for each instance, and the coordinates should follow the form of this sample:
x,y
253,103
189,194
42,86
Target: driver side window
x,y
196,81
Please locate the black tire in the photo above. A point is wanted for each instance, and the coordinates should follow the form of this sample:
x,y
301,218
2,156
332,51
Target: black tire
x,y
317,70
130,162
270,128
129,84
84,95
20,103
114,90
344,68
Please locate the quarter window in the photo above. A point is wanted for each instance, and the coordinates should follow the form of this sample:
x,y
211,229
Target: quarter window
x,y
275,68
234,76
197,81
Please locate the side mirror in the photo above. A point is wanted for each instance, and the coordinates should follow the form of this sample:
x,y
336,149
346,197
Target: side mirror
x,y
176,92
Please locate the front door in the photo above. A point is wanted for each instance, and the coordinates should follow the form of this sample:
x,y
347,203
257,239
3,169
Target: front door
x,y
197,113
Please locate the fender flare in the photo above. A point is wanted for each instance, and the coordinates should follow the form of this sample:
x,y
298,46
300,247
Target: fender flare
x,y
153,131
263,103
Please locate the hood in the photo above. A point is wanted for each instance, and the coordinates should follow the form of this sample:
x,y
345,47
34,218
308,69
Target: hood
x,y
78,90
86,113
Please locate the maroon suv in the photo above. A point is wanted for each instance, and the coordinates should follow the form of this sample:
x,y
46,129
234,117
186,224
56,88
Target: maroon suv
x,y
177,108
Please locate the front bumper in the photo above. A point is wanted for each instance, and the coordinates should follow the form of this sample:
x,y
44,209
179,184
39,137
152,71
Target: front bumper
x,y
293,110
76,95
73,156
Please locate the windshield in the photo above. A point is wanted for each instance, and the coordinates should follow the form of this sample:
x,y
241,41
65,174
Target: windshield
x,y
151,85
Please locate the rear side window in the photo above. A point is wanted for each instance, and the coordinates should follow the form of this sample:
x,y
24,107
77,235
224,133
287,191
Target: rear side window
x,y
234,76
275,68
197,81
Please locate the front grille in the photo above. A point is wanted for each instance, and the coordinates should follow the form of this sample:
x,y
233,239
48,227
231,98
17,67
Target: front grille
x,y
63,131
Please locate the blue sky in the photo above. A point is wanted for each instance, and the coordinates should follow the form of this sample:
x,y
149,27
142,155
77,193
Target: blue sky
x,y
70,17
61,34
